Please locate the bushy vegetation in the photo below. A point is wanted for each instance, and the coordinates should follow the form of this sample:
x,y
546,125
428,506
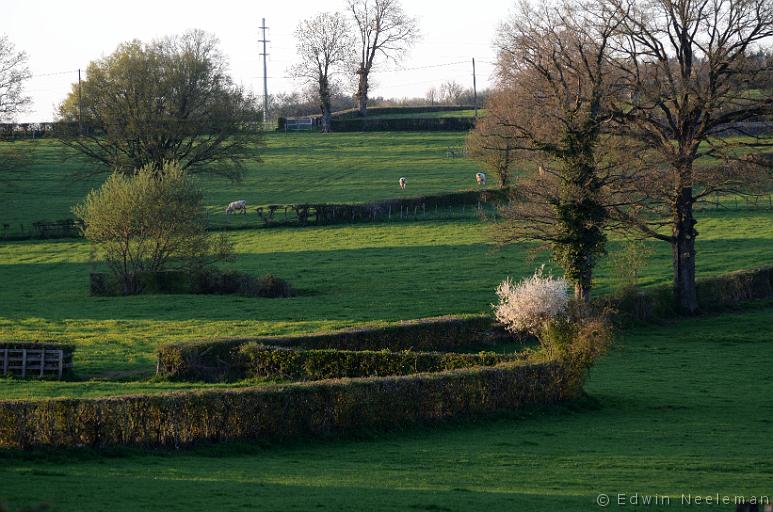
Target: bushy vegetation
x,y
526,306
149,222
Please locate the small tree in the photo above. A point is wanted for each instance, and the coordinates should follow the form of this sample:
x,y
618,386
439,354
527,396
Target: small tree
x,y
149,222
492,144
324,46
528,306
452,92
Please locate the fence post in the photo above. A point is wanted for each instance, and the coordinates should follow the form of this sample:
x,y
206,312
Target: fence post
x,y
42,361
5,362
24,362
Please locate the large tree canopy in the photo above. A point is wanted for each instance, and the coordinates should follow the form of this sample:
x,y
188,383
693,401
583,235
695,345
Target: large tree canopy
x,y
168,100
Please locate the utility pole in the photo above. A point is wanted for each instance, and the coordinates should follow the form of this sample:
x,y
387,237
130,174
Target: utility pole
x,y
474,89
80,105
265,72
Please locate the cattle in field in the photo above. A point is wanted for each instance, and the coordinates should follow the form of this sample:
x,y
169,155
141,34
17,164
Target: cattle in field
x,y
403,182
236,205
480,178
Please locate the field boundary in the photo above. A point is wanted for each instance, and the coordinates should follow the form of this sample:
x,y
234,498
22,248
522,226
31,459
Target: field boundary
x,y
282,411
219,359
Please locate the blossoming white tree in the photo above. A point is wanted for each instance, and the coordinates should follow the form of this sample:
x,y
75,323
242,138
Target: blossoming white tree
x,y
533,302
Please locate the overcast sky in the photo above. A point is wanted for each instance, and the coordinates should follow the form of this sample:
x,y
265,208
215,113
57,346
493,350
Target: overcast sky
x,y
60,37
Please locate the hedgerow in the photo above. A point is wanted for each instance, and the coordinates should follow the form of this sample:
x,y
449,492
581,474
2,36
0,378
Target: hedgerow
x,y
280,411
217,359
262,361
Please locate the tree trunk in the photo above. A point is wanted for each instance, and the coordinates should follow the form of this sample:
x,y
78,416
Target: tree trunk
x,y
327,119
362,92
683,249
582,291
324,100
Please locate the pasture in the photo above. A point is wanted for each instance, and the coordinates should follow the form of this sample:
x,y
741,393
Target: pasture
x,y
347,275
296,168
675,409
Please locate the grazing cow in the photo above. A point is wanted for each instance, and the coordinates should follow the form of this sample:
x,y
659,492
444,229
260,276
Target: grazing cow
x,y
241,204
480,177
403,181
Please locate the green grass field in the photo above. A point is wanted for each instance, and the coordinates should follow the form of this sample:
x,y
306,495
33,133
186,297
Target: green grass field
x,y
346,275
676,409
296,168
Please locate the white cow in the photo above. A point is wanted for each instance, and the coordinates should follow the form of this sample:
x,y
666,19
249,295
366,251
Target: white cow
x,y
241,204
403,181
480,177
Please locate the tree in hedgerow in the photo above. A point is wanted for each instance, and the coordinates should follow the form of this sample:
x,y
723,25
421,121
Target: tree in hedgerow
x,y
168,99
149,222
554,84
693,71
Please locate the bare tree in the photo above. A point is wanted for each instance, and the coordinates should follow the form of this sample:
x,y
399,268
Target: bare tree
x,y
385,31
452,92
324,45
688,66
13,73
554,80
432,95
167,100
493,144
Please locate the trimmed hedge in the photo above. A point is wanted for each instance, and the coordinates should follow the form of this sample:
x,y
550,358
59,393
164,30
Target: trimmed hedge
x,y
211,281
714,294
275,412
68,348
218,359
264,361
354,113
408,124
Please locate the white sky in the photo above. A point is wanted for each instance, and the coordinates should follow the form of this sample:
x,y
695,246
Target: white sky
x,y
60,37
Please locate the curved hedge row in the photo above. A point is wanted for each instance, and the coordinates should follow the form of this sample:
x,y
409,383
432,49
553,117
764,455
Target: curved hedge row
x,y
218,359
273,412
262,361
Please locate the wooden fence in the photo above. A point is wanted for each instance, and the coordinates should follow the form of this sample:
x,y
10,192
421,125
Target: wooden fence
x,y
35,362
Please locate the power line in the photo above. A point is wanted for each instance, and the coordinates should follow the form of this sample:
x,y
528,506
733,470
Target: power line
x,y
40,75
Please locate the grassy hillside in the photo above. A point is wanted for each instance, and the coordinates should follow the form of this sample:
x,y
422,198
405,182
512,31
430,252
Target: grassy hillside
x,y
346,274
296,168
673,410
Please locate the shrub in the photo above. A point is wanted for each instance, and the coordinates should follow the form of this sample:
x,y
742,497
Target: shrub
x,y
528,305
201,281
148,222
